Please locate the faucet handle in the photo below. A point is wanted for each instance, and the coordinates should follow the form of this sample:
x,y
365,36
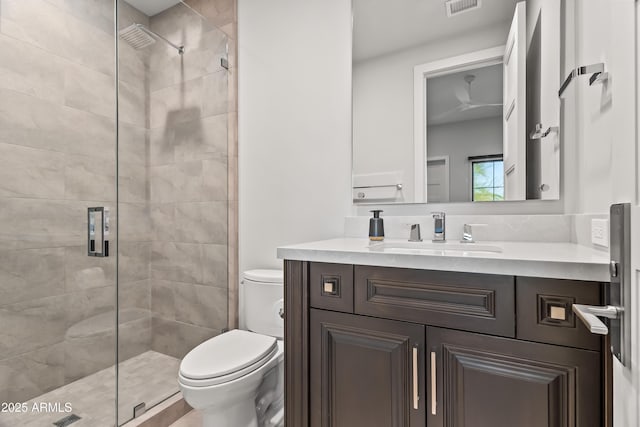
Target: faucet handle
x,y
414,234
467,232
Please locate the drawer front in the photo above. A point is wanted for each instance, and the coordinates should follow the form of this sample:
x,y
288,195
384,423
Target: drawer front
x,y
545,314
467,301
331,286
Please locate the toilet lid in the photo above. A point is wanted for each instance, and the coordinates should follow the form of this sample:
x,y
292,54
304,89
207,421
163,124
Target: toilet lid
x,y
226,354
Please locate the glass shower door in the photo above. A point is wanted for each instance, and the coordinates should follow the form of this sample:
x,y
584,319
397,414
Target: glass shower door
x,y
57,160
173,199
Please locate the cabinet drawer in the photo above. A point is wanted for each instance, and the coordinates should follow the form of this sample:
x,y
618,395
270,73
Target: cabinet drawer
x,y
472,302
545,314
331,286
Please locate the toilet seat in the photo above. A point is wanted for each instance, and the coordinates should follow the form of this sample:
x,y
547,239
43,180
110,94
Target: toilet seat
x,y
226,357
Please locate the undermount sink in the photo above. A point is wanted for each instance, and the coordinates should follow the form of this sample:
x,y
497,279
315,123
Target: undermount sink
x,y
434,248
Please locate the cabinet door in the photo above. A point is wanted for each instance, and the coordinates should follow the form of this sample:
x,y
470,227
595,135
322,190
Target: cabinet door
x,y
484,381
365,372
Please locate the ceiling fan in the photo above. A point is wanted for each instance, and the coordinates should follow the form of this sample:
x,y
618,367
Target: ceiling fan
x,y
466,103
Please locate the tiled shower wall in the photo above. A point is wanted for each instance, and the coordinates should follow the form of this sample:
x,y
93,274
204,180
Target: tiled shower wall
x,y
224,15
135,234
57,157
188,182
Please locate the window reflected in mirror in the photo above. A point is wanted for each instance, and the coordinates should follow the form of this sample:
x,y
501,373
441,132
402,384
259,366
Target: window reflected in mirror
x,y
487,181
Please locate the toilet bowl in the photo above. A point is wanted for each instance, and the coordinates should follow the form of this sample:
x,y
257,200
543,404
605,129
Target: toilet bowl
x,y
236,379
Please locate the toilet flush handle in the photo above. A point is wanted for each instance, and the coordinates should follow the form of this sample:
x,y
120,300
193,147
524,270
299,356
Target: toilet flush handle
x,y
281,312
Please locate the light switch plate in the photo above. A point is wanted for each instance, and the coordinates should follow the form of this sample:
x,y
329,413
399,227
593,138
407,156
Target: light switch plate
x,y
600,232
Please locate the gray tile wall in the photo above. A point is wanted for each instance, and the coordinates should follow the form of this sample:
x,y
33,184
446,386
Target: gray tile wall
x,y
188,182
134,286
224,14
57,157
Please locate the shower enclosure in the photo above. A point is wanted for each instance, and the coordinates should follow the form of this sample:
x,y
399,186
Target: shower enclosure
x,y
113,204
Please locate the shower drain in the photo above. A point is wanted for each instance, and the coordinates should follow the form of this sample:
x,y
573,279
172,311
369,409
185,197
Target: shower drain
x,y
68,420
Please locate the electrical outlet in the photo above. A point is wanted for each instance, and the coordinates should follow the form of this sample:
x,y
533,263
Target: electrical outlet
x,y
600,232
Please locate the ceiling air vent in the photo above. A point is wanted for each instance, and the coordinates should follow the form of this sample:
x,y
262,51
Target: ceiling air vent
x,y
456,7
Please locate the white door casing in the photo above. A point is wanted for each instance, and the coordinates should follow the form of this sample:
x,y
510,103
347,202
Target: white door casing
x,y
621,58
626,379
515,107
438,179
620,61
421,73
549,101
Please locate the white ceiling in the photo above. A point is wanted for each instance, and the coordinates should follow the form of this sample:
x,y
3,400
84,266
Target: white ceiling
x,y
152,7
486,88
384,26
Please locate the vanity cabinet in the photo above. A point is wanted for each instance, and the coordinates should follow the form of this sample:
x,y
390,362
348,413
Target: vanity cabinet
x,y
365,371
392,347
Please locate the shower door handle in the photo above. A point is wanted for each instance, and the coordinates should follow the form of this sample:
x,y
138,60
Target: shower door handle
x,y
98,232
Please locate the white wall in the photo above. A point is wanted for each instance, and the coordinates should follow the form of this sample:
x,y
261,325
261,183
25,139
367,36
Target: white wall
x,y
604,148
460,140
383,103
294,124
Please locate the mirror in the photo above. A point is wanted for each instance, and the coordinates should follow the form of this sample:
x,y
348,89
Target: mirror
x,y
456,101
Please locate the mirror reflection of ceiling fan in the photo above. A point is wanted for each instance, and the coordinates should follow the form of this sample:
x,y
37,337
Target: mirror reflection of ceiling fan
x,y
466,102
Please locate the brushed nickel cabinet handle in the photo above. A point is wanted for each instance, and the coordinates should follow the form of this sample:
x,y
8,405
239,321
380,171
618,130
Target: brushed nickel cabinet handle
x,y
433,383
416,397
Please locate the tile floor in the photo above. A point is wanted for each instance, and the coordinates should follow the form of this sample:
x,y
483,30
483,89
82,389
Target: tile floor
x,y
149,377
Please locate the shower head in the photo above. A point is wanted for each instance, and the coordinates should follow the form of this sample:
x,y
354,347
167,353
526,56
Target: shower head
x,y
139,37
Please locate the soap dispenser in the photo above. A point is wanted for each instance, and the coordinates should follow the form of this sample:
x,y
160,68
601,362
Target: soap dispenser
x,y
376,226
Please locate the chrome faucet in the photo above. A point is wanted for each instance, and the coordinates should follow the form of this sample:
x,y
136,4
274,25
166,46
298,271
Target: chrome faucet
x,y
438,226
414,234
467,232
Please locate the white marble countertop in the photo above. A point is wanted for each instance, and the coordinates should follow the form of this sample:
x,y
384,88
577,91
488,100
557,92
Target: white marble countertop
x,y
534,259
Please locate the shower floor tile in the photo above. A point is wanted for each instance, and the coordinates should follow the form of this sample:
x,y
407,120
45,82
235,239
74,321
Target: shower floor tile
x,y
149,377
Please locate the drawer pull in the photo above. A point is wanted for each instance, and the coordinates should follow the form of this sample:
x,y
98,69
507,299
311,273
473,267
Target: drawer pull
x,y
329,287
416,397
433,383
557,313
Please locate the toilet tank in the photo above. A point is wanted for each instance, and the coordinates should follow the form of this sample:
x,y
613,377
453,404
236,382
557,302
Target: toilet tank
x,y
264,302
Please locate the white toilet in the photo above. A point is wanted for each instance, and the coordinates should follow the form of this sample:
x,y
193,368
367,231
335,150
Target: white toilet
x,y
237,379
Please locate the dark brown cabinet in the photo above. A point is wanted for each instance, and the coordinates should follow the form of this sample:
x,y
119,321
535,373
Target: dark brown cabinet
x,y
390,347
365,371
484,381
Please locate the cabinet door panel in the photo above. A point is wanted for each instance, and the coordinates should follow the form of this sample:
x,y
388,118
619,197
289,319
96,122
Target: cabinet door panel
x,y
484,381
361,371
